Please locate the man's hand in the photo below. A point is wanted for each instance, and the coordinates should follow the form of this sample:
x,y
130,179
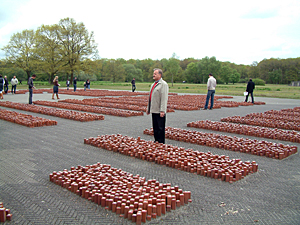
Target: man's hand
x,y
162,114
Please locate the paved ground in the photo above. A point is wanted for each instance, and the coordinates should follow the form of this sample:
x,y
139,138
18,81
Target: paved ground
x,y
29,155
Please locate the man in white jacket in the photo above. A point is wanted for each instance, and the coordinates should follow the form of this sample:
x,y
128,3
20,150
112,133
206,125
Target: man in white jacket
x,y
157,106
14,82
211,89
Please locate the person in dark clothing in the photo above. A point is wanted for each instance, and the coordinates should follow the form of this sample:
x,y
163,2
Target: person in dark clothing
x,y
5,85
133,84
88,84
75,83
249,89
1,86
30,86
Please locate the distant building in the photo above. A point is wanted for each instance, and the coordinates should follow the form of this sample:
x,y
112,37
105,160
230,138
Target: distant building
x,y
295,83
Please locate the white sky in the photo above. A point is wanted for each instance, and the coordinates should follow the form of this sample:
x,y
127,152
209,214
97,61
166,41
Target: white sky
x,y
231,30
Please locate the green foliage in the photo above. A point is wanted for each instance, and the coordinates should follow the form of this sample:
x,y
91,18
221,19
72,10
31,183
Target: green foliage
x,y
258,81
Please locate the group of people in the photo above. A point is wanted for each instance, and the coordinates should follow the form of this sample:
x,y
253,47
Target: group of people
x,y
4,85
158,97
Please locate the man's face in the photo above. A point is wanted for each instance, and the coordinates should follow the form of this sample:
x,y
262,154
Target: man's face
x,y
14,77
156,75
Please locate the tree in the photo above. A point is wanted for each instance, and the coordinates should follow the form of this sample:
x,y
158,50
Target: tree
x,y
132,72
20,51
275,76
48,50
234,76
173,66
191,73
76,44
208,65
225,73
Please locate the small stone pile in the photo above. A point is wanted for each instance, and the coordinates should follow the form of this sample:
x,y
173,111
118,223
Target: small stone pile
x,y
25,119
4,213
132,197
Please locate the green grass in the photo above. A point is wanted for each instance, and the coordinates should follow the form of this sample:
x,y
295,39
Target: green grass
x,y
269,90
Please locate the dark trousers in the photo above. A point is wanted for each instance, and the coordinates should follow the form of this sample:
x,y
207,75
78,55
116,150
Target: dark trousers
x,y
30,95
210,95
133,87
13,88
252,98
159,124
75,86
5,89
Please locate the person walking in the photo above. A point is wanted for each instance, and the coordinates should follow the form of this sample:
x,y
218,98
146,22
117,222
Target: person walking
x,y
5,85
2,83
55,87
133,84
30,86
211,89
68,84
157,105
14,82
88,84
75,83
249,89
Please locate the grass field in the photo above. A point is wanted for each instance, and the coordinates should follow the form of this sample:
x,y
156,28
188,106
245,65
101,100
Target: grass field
x,y
269,90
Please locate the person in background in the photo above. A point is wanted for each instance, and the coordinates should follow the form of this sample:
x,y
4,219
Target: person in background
x,y
5,85
84,86
30,87
55,87
2,83
211,89
157,105
68,84
14,82
249,89
133,84
88,84
75,83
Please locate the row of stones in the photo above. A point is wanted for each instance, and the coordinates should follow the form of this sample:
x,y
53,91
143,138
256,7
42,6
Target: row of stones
x,y
205,164
279,134
245,145
273,119
67,104
130,196
4,213
25,119
98,102
66,114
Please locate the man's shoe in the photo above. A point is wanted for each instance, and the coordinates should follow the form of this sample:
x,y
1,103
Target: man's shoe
x,y
204,109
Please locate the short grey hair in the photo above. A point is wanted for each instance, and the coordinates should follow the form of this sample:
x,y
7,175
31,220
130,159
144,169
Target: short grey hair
x,y
159,71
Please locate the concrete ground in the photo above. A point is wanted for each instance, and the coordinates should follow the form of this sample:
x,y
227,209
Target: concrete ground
x,y
29,155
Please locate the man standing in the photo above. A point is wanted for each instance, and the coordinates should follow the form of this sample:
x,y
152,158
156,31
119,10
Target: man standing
x,y
30,86
133,84
211,87
75,83
158,99
249,89
5,85
1,86
14,82
68,84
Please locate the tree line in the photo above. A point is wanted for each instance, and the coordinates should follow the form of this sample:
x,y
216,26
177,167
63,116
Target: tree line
x,y
67,49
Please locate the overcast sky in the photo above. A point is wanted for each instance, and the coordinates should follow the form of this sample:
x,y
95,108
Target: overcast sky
x,y
237,31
